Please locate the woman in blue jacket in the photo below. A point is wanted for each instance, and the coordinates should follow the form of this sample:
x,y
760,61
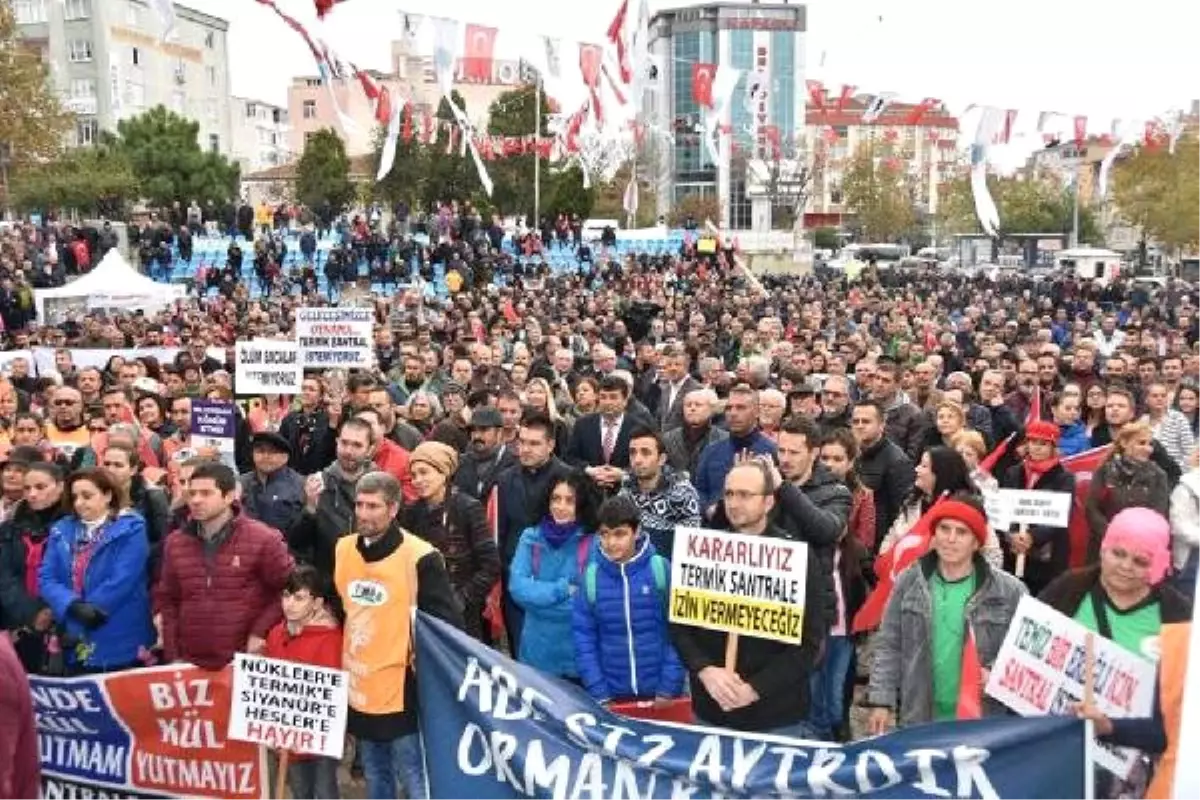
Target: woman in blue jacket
x,y
546,571
1073,435
622,645
93,578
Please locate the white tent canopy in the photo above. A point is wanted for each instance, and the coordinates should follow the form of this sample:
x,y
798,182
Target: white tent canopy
x,y
111,285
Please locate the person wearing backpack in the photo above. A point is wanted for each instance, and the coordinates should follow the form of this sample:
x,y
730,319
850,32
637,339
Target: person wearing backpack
x,y
622,644
545,575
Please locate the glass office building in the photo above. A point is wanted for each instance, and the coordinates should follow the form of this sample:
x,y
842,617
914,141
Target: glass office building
x,y
759,39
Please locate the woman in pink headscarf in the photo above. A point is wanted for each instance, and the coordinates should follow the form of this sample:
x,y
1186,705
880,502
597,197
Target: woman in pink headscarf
x,y
1125,598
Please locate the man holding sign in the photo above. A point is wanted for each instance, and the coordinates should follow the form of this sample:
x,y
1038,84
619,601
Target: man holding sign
x,y
745,681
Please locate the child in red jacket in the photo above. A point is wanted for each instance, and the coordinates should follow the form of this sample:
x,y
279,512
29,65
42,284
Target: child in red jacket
x,y
309,634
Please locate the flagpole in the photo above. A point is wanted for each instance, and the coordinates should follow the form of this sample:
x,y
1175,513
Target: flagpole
x,y
537,156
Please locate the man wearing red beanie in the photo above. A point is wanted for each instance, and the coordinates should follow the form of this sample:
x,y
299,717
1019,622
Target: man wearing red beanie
x,y
949,593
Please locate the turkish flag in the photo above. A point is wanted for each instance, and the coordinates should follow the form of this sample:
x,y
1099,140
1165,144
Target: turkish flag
x,y
970,680
888,567
477,61
702,83
590,56
921,109
816,95
383,109
844,97
406,124
1080,130
1082,465
493,612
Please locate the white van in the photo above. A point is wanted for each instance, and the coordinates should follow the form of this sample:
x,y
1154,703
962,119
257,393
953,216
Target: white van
x,y
1091,263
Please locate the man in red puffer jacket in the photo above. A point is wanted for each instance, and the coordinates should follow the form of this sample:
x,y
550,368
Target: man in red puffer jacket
x,y
221,578
20,766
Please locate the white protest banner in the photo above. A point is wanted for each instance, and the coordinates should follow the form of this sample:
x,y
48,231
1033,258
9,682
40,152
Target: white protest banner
x,y
1031,507
335,337
267,366
287,705
1187,770
996,510
739,583
1040,670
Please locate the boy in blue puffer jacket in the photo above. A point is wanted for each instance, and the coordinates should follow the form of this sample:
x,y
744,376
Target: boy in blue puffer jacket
x,y
622,646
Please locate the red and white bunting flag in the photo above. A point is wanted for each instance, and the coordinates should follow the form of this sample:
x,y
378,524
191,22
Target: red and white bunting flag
x,y
383,108
929,104
1010,118
616,35
1080,130
844,98
816,95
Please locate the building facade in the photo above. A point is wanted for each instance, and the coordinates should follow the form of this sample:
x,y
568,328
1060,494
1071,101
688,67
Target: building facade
x,y
924,145
766,43
109,61
310,107
261,134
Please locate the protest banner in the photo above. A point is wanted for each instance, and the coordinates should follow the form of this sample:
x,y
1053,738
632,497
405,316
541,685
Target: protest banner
x,y
267,366
335,337
289,706
739,584
996,510
1041,669
502,729
156,732
1032,507
214,424
43,357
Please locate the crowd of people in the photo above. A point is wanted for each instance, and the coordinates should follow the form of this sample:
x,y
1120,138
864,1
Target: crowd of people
x,y
519,458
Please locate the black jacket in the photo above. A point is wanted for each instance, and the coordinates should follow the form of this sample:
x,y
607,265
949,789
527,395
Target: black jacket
x,y
279,502
476,477
312,439
885,469
778,672
314,537
523,499
1052,546
17,607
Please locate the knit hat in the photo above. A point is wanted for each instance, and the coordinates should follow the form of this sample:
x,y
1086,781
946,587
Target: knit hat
x,y
1042,429
437,455
1145,532
962,512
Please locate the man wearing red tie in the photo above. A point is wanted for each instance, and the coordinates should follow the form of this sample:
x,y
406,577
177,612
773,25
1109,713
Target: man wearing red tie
x,y
600,441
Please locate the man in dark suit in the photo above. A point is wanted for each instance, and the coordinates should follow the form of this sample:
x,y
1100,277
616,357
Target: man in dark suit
x,y
676,383
600,441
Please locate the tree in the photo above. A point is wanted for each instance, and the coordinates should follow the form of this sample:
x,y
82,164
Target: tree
x,y
1037,204
32,120
1159,192
698,207
569,195
95,181
876,190
166,158
782,175
407,178
826,239
516,113
323,173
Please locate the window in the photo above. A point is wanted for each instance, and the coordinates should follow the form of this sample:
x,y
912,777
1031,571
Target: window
x,y
180,72
77,9
79,50
179,103
83,87
310,109
135,94
29,12
209,39
214,143
251,111
86,131
210,110
211,72
135,56
313,83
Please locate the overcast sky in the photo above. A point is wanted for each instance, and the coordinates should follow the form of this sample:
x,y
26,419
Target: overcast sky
x,y
1104,60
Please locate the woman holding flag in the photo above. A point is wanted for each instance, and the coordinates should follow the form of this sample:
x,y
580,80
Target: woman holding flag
x,y
945,620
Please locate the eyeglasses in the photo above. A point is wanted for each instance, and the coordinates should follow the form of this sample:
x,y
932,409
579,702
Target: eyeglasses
x,y
66,402
742,495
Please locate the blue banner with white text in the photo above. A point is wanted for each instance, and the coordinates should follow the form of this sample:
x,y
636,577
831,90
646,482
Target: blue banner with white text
x,y
496,728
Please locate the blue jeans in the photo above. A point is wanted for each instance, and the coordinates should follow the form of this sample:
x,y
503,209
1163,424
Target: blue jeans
x,y
827,687
385,763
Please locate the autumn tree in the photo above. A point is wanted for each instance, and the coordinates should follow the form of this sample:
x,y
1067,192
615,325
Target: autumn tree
x,y
165,155
699,207
1026,204
32,120
323,173
1159,192
876,189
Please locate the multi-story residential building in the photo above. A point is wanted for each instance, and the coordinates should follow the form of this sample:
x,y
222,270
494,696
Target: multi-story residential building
x,y
924,145
310,107
109,60
261,135
766,42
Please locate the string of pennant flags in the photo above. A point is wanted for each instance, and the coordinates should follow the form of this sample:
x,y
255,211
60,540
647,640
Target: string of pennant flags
x,y
600,85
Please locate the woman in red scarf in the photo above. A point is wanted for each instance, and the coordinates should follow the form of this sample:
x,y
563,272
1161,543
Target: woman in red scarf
x,y
1046,548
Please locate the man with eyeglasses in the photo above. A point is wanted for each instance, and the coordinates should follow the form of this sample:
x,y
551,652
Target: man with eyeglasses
x,y
67,432
767,691
835,403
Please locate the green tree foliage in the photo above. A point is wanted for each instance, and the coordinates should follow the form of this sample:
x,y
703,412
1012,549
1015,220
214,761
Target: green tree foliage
x,y
449,176
826,238
515,113
168,162
877,191
32,119
323,172
610,200
95,181
1159,192
698,207
1026,204
569,195
406,181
